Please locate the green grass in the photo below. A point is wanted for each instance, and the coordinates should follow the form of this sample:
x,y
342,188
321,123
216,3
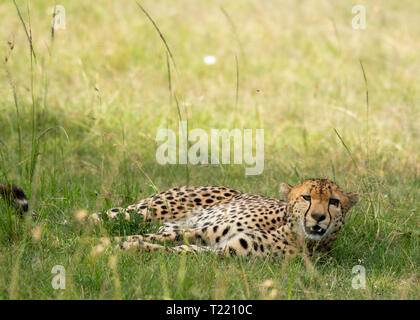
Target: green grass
x,y
82,137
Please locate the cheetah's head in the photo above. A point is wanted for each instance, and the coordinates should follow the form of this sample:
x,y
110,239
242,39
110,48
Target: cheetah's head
x,y
318,206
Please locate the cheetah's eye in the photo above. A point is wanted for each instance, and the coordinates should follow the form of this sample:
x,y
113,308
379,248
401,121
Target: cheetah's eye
x,y
334,202
306,197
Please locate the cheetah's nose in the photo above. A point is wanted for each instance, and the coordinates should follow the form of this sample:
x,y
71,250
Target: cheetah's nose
x,y
318,217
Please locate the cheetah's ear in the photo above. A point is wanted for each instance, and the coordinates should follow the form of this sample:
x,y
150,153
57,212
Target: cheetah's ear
x,y
353,198
285,189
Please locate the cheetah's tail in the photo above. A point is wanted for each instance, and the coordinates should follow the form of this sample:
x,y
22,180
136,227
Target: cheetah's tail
x,y
15,197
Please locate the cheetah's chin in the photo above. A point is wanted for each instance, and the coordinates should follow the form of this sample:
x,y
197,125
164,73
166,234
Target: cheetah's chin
x,y
315,232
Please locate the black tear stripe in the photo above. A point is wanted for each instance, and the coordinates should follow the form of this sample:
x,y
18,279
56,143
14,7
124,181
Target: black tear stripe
x,y
306,213
330,218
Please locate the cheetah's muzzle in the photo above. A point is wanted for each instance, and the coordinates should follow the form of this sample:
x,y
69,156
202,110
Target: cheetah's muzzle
x,y
315,230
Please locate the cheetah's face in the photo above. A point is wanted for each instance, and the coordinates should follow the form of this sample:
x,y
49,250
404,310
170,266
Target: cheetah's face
x,y
318,206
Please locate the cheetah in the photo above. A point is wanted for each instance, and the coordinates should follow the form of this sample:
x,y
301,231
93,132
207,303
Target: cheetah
x,y
225,221
15,197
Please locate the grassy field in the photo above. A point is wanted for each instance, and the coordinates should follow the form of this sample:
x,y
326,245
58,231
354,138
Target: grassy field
x,y
78,123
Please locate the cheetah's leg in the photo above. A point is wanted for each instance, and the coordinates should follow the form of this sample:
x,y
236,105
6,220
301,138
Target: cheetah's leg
x,y
111,214
255,243
126,213
173,236
188,236
151,247
139,244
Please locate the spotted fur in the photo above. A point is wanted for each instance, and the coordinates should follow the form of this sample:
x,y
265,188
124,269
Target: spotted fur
x,y
15,197
229,222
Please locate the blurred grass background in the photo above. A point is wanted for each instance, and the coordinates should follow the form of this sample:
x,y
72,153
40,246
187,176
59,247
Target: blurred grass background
x,y
78,127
